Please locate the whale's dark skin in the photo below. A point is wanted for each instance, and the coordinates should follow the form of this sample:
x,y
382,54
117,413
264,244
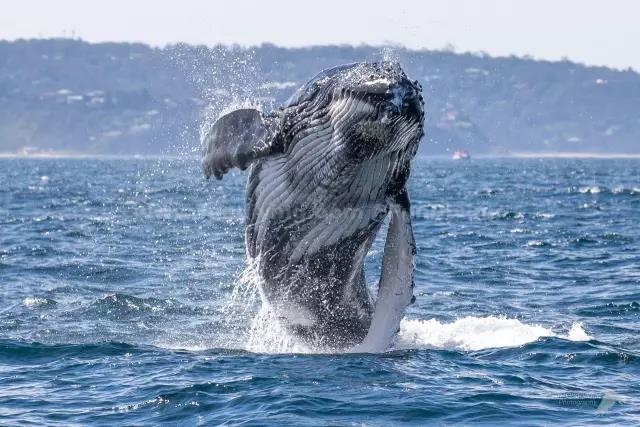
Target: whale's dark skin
x,y
325,172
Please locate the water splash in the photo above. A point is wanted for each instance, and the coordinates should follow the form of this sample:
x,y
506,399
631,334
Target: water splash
x,y
577,333
477,333
267,335
263,333
232,80
222,77
241,306
250,322
389,53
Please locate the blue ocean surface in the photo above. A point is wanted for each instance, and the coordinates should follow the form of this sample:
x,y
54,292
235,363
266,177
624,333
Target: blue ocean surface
x,y
123,301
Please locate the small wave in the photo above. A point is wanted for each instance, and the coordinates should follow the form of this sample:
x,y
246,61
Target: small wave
x,y
119,304
597,189
477,333
25,351
517,230
577,333
593,206
611,309
590,190
33,302
583,241
512,215
124,305
537,244
616,237
76,234
488,192
435,206
628,191
509,215
544,215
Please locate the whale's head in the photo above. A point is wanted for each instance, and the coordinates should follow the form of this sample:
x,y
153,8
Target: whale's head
x,y
360,110
372,107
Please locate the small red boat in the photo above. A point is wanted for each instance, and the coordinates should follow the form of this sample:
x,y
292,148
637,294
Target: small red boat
x,y
461,155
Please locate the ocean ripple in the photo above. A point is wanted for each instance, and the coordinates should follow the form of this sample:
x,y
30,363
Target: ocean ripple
x,y
124,302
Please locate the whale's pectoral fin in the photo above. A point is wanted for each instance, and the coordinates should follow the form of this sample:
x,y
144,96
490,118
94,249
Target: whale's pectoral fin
x,y
237,139
395,290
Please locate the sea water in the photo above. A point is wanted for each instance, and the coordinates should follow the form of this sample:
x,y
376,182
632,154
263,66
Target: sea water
x,y
125,298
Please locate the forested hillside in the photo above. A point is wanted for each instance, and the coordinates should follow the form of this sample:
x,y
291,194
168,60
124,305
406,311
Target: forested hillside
x,y
116,98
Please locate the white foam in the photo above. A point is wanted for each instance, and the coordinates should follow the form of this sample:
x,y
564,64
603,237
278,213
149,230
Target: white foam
x,y
546,215
34,302
265,334
468,334
268,336
577,333
590,190
477,333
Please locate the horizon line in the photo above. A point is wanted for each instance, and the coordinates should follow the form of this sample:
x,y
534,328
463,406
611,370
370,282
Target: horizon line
x,y
191,156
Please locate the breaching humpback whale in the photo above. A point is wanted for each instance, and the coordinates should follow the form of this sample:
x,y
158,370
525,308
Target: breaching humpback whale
x,y
325,171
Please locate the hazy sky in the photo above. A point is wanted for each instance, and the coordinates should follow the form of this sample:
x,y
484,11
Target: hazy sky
x,y
603,32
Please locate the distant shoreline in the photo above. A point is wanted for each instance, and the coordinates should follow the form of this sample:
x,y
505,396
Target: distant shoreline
x,y
514,155
72,155
572,155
